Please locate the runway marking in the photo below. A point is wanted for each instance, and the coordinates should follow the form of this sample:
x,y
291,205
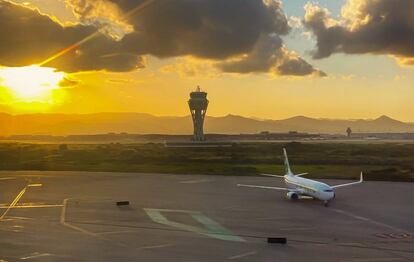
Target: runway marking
x,y
84,231
243,255
31,206
358,245
156,246
36,255
9,218
366,219
394,235
66,224
212,228
377,259
297,228
13,203
197,181
117,232
35,185
350,244
7,178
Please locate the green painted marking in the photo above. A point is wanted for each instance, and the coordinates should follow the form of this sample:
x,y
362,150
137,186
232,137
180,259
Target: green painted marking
x,y
211,228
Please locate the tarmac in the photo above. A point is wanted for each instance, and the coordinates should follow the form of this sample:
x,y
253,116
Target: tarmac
x,y
74,216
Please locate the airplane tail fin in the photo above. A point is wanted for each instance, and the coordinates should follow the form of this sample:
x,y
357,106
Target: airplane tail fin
x,y
287,166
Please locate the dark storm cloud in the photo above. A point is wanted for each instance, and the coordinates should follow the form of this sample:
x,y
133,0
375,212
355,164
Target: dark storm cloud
x,y
298,67
28,37
213,29
261,58
242,36
367,26
270,55
205,28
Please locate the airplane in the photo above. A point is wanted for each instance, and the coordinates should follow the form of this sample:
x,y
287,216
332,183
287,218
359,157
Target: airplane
x,y
297,186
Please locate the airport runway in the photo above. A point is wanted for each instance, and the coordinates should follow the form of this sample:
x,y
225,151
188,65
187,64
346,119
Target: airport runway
x,y
73,216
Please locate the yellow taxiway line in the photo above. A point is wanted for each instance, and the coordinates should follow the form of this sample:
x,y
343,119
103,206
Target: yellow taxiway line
x,y
13,203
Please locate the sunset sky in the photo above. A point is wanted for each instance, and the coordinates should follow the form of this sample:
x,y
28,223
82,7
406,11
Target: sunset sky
x,y
258,58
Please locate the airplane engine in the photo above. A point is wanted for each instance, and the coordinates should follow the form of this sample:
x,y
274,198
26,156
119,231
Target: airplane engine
x,y
292,195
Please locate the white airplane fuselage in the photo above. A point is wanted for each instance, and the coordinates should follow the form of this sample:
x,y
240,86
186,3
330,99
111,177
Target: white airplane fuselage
x,y
297,186
308,187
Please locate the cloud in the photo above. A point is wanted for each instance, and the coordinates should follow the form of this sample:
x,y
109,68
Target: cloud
x,y
241,36
191,67
261,58
365,26
68,82
405,61
244,36
30,37
104,15
270,55
295,22
294,65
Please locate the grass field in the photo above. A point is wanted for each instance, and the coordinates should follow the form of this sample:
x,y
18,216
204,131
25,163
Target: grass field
x,y
391,162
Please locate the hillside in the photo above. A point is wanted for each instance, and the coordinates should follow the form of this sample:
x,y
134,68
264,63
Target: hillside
x,y
138,123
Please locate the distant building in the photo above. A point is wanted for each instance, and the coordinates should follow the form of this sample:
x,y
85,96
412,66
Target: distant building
x,y
198,104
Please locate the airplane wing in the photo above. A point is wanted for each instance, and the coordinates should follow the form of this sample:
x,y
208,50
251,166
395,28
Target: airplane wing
x,y
265,187
352,183
272,175
301,174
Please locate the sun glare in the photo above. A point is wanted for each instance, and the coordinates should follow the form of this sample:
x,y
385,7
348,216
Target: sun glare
x,y
31,83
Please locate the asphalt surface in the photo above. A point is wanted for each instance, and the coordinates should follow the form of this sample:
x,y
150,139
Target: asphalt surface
x,y
73,216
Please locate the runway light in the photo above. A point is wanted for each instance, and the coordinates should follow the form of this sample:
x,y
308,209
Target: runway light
x,y
122,203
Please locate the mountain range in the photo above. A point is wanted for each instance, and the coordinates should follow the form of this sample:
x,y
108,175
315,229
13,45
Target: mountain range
x,y
139,123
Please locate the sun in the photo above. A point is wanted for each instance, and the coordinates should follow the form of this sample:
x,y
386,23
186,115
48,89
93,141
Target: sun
x,y
31,83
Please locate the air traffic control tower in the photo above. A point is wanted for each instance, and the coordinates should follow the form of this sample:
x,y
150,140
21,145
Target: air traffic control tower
x,y
198,107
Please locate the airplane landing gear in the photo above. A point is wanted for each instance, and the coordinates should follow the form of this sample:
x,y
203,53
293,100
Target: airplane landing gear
x,y
325,203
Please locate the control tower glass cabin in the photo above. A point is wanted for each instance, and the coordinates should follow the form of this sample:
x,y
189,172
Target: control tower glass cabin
x,y
198,107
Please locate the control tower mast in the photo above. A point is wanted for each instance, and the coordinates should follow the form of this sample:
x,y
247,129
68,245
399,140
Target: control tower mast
x,y
198,107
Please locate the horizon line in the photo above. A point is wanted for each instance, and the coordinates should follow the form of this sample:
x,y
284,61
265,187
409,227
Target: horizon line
x,y
213,116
